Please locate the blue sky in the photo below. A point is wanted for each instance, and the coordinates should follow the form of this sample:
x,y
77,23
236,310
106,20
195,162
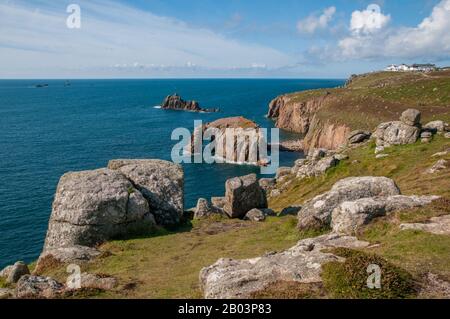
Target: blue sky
x,y
234,38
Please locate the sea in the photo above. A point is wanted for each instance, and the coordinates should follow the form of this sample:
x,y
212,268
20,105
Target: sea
x,y
49,127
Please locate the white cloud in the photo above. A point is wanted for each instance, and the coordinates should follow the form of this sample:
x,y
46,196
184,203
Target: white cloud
x,y
430,40
314,23
368,21
35,42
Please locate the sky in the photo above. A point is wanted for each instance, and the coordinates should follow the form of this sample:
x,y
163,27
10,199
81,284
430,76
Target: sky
x,y
218,38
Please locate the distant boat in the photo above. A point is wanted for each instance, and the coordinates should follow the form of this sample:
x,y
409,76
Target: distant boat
x,y
41,85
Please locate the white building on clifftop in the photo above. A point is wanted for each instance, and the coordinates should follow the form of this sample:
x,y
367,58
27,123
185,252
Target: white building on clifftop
x,y
411,68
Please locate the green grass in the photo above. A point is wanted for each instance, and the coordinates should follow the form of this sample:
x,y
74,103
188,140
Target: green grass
x,y
3,283
349,279
168,265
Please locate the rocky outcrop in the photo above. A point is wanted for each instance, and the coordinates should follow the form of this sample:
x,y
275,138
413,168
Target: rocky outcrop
x,y
358,136
229,278
438,127
235,140
405,131
91,207
242,195
37,287
160,182
437,225
175,102
349,216
437,167
316,213
309,168
16,271
65,255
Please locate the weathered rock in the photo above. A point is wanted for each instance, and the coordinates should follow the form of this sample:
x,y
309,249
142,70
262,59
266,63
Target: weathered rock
x,y
316,154
18,270
218,202
4,273
379,149
255,215
358,136
229,278
447,135
283,171
243,194
341,157
316,168
175,102
379,156
396,133
437,167
437,225
291,210
6,293
267,184
349,216
425,134
411,117
37,287
65,255
205,209
161,183
316,213
93,206
440,154
93,281
436,127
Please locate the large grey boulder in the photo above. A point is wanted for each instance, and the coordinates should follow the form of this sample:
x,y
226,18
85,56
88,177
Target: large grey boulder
x,y
243,194
411,117
229,278
18,270
396,133
349,216
316,213
93,206
255,215
37,287
205,209
160,182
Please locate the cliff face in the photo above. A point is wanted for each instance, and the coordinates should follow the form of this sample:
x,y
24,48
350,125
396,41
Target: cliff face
x,y
301,117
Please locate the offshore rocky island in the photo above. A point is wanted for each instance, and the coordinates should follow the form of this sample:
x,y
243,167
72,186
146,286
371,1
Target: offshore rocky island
x,y
374,188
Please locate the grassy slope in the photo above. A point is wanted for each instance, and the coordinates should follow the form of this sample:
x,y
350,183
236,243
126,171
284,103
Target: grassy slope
x,y
167,265
383,96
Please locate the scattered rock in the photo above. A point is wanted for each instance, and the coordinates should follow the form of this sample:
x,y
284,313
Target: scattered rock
x,y
341,157
379,149
283,171
316,154
267,184
349,216
436,127
447,135
65,255
437,225
6,293
6,271
411,117
255,215
229,278
379,156
37,287
315,168
426,134
242,195
218,202
358,136
437,167
92,281
93,206
18,270
396,133
291,210
434,288
316,213
440,154
205,209
160,182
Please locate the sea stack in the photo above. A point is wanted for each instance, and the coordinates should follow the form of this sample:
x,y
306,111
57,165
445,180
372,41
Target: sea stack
x,y
175,102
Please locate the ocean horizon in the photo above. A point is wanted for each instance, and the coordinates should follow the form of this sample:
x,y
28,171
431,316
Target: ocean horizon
x,y
84,123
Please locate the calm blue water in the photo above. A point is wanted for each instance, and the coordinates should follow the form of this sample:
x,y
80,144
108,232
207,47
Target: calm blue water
x,y
45,132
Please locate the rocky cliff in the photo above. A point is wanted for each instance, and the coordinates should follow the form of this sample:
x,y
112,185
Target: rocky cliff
x,y
326,117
